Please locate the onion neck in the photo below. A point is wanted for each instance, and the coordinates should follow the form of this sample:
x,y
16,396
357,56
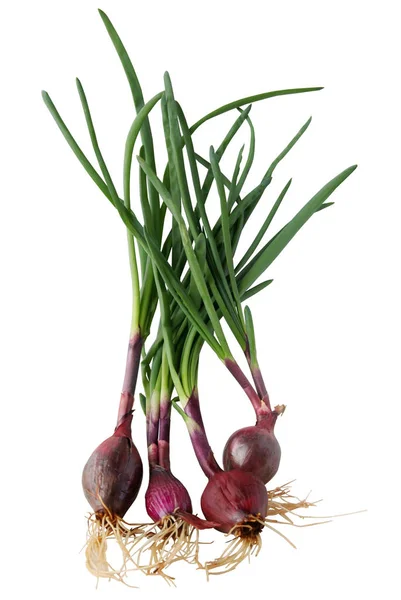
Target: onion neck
x,y
257,376
130,377
164,431
266,418
198,436
244,382
124,428
153,456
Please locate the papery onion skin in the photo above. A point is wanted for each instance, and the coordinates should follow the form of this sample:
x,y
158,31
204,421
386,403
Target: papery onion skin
x,y
253,449
232,497
112,477
165,494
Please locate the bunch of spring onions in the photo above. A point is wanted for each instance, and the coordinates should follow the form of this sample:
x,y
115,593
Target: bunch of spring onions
x,y
188,267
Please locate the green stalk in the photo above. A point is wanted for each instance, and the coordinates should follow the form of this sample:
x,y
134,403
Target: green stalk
x,y
138,310
226,233
131,246
215,263
185,370
168,337
192,260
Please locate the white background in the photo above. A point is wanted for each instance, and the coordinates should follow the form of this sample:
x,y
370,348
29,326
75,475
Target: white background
x,y
328,328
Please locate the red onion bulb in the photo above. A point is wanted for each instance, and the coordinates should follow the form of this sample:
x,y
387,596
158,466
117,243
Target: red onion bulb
x,y
165,495
255,450
112,476
235,498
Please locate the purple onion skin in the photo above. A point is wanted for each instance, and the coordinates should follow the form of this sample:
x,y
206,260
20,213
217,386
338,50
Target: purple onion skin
x,y
231,497
165,494
112,476
255,450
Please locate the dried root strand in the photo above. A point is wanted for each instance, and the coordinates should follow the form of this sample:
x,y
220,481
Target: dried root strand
x,y
246,542
283,509
163,543
284,505
103,528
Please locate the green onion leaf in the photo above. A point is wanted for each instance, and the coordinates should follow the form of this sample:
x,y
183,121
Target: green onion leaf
x,y
130,143
250,332
226,232
263,229
286,150
248,100
248,164
192,260
255,290
142,400
280,241
137,95
200,251
75,147
178,157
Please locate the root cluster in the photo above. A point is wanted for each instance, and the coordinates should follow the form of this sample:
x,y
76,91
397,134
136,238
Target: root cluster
x,y
153,547
164,543
150,548
104,528
245,539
